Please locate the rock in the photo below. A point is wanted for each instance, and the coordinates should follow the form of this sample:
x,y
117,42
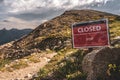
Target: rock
x,y
16,60
48,49
6,65
35,76
26,60
118,37
115,41
95,64
28,76
53,43
46,59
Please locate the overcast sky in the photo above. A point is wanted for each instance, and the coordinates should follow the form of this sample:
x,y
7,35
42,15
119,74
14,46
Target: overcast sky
x,y
30,13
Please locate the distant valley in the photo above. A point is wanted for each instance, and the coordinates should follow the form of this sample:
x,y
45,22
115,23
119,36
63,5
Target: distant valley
x,y
12,34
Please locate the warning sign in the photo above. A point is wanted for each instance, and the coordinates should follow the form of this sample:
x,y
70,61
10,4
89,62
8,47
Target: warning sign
x,y
90,34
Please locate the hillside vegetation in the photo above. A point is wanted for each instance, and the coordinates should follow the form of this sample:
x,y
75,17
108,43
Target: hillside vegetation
x,y
55,35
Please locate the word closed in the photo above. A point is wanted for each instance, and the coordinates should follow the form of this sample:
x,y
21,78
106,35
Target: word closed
x,y
90,34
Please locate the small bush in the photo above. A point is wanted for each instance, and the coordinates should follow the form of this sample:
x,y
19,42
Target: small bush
x,y
113,72
3,62
65,65
21,64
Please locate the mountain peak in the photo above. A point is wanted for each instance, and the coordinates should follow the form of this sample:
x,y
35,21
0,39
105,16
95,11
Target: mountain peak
x,y
85,11
4,29
56,33
60,26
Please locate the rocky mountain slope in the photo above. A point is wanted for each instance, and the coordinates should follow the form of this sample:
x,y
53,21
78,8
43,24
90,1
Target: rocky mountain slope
x,y
59,28
12,34
56,33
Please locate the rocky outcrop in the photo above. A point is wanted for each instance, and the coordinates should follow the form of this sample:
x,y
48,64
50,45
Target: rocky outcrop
x,y
95,64
55,43
16,53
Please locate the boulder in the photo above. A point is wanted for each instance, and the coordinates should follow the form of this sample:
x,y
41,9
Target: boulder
x,y
95,63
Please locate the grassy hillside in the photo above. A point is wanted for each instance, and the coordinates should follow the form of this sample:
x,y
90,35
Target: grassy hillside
x,y
56,33
56,36
68,66
60,27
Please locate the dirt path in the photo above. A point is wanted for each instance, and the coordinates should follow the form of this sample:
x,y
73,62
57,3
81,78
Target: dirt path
x,y
28,72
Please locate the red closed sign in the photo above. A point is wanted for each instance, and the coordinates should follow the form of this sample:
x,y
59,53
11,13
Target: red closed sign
x,y
90,34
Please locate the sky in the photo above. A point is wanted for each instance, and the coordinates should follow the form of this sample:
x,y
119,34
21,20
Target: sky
x,y
23,14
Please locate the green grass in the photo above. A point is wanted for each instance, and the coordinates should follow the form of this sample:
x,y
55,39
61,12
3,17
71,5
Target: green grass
x,y
65,65
68,66
114,29
19,65
33,58
3,62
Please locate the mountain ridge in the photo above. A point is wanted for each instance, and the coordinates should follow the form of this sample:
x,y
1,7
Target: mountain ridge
x,y
12,34
55,34
64,22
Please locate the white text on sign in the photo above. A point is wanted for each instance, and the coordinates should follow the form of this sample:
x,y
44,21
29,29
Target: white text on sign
x,y
89,29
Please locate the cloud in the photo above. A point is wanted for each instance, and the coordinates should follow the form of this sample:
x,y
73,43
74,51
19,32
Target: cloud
x,y
20,6
37,11
13,22
47,9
